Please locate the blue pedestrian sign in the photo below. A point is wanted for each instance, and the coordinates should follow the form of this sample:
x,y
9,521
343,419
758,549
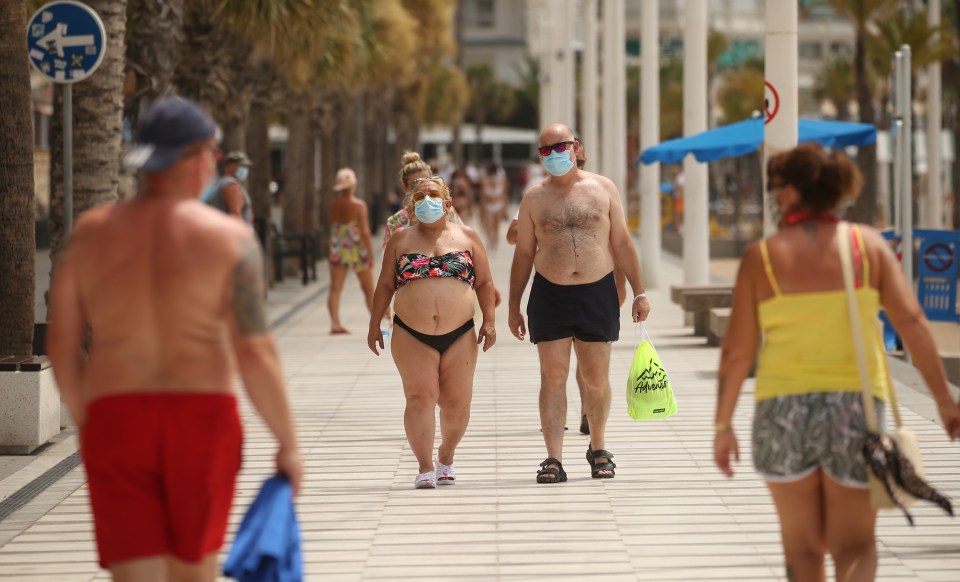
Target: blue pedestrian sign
x,y
66,41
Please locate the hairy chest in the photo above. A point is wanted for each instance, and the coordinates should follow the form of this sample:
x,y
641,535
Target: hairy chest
x,y
583,213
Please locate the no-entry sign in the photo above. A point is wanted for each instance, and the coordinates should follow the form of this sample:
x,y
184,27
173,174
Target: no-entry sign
x,y
939,257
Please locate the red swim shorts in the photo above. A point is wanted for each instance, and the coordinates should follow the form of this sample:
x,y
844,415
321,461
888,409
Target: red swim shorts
x,y
161,470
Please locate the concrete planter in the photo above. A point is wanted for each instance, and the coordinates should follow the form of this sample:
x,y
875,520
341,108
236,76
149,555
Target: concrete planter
x,y
30,412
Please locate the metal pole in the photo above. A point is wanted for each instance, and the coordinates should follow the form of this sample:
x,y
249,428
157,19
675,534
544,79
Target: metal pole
x,y
896,218
696,219
650,245
567,67
67,160
588,115
897,127
904,106
934,123
781,72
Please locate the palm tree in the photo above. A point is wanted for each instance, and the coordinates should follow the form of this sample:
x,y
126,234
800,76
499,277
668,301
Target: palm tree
x,y
834,83
436,91
671,99
489,98
862,14
910,27
17,245
740,94
526,112
153,51
97,125
227,40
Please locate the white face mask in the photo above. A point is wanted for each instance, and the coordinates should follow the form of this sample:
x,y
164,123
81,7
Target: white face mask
x,y
242,173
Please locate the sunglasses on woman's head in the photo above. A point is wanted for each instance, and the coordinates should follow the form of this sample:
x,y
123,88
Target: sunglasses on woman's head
x,y
559,147
424,179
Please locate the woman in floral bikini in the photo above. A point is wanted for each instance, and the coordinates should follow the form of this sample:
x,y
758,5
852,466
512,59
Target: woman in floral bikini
x,y
435,268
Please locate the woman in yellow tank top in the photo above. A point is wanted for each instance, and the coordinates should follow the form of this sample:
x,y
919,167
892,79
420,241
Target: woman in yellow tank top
x,y
809,427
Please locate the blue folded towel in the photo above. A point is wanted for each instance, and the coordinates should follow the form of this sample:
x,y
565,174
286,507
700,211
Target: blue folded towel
x,y
267,546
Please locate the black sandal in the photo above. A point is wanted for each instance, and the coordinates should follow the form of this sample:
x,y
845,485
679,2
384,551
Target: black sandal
x,y
551,474
597,468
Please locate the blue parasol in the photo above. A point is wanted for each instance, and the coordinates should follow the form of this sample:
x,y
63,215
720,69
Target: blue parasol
x,y
744,137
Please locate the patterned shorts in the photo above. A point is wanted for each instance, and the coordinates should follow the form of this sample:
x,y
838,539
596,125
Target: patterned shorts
x,y
793,435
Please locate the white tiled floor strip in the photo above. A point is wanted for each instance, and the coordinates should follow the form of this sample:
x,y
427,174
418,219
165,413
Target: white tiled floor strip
x,y
668,515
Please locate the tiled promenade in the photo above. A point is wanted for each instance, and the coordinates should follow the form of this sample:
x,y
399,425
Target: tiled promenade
x,y
668,515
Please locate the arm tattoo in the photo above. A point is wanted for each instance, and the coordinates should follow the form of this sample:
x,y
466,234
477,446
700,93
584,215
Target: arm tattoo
x,y
248,305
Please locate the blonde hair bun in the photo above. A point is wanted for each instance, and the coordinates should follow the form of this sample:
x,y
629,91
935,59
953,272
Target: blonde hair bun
x,y
410,158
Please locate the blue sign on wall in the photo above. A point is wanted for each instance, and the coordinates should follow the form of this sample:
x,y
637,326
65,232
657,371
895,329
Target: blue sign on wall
x,y
66,41
938,273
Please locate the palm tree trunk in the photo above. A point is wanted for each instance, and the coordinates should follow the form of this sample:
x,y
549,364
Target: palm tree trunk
x,y
328,171
17,209
258,150
153,51
458,126
299,174
97,125
865,209
345,131
216,71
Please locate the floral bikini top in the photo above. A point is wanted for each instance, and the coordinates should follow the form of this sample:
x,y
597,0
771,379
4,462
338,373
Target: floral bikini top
x,y
455,264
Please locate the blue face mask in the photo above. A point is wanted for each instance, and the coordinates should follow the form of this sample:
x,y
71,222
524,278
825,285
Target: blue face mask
x,y
558,164
429,210
209,189
242,173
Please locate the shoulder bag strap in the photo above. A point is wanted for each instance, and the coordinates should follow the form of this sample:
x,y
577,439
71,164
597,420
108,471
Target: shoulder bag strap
x,y
843,245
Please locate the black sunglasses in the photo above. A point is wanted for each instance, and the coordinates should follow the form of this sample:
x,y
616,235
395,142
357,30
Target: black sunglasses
x,y
559,147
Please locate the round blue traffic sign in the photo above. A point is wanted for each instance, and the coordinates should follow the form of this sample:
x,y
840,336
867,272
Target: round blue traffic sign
x,y
66,41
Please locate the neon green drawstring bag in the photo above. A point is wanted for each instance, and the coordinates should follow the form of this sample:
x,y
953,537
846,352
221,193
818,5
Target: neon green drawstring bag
x,y
649,394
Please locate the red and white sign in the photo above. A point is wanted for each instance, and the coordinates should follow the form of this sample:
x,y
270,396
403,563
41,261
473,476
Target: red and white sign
x,y
771,102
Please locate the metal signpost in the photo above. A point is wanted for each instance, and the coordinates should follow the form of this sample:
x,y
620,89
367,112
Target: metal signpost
x,y
66,41
904,186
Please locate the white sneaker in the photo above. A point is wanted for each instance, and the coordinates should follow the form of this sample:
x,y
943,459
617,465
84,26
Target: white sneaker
x,y
426,480
446,474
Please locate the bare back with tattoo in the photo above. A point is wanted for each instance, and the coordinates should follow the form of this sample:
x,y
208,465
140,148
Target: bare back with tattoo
x,y
165,284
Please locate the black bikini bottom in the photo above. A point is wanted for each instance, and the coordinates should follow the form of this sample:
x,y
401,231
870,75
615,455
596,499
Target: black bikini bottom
x,y
437,342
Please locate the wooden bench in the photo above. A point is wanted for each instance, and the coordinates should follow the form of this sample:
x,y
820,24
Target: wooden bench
x,y
699,300
29,404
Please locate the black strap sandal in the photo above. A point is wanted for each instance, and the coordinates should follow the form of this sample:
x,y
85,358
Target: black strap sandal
x,y
548,474
597,469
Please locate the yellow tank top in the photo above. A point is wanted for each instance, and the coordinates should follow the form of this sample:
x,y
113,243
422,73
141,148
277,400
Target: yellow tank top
x,y
807,344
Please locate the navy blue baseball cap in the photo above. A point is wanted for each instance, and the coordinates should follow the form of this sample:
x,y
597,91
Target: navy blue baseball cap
x,y
167,128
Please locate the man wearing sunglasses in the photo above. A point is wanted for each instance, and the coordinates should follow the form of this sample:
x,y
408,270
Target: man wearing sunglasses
x,y
571,227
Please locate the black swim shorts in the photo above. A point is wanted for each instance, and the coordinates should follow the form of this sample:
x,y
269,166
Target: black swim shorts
x,y
589,312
